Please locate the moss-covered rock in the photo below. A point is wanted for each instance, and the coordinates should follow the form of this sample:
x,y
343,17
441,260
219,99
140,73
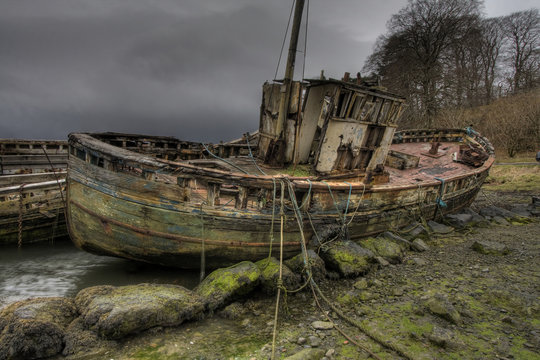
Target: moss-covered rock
x,y
490,247
348,258
307,354
440,306
34,328
297,265
226,284
269,268
83,342
384,248
116,312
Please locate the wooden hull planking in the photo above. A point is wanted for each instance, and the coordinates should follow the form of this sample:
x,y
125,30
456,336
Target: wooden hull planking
x,y
170,212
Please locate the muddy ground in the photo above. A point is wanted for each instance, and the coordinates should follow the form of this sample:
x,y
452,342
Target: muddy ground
x,y
496,298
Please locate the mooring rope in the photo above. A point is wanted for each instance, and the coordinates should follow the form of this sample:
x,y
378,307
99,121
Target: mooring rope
x,y
280,279
377,338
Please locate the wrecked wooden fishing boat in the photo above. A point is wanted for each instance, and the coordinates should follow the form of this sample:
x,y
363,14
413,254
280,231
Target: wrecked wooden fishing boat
x,y
326,159
32,185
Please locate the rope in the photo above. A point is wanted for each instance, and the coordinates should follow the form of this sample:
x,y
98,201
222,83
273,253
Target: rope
x,y
273,218
20,220
251,155
55,176
280,279
379,339
225,161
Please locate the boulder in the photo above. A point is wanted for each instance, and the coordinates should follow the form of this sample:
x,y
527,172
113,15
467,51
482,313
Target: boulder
x,y
490,247
318,269
438,228
419,245
349,258
35,328
459,220
114,312
403,243
84,343
384,248
440,306
269,269
226,284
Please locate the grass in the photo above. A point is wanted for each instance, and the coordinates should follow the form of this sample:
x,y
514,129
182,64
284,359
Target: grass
x,y
514,178
523,157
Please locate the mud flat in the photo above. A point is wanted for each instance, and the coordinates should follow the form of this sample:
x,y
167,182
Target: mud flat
x,y
471,292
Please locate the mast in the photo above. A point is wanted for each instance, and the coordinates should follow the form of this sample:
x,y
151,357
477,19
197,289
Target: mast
x,y
285,95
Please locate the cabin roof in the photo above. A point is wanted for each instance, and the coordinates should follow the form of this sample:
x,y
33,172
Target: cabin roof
x,y
352,85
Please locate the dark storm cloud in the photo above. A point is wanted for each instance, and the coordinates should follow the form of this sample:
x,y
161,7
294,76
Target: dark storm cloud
x,y
191,68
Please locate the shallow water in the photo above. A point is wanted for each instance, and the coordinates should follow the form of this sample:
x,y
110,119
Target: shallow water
x,y
60,269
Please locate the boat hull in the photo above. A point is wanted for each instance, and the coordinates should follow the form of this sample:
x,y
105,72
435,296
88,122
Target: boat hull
x,y
123,213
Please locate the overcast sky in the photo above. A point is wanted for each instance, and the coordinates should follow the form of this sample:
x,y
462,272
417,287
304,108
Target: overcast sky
x,y
192,69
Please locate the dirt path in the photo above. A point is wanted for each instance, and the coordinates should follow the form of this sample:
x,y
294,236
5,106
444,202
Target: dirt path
x,y
496,299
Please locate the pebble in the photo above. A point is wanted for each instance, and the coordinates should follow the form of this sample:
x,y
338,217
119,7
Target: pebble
x,y
314,341
330,353
322,325
301,341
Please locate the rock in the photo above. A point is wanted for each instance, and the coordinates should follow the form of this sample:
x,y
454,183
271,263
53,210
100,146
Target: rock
x,y
269,269
476,218
84,343
322,325
415,230
330,353
438,305
314,341
114,312
419,261
233,311
492,211
490,247
404,244
500,220
522,210
439,228
226,284
459,220
318,270
442,338
419,245
348,258
387,249
307,354
361,284
35,328
381,261
301,341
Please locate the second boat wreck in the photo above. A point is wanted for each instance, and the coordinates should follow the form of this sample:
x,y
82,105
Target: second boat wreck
x,y
326,159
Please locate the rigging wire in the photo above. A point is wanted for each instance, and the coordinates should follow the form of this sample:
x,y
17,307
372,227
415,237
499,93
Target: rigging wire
x,y
284,39
305,41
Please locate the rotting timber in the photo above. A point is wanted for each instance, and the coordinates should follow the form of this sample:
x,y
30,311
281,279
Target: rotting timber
x,y
185,204
166,201
32,183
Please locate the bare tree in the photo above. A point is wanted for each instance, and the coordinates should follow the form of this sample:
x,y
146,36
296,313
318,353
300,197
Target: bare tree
x,y
522,29
490,49
419,35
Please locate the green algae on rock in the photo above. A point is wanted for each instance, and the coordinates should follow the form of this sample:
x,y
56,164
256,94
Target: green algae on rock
x,y
34,328
348,258
226,284
117,312
317,266
385,248
269,268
